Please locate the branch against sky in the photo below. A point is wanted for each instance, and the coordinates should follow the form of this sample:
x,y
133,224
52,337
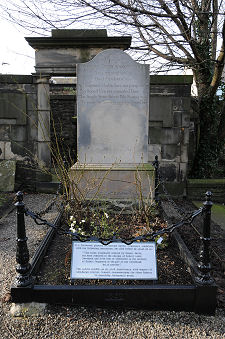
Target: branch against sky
x,y
154,25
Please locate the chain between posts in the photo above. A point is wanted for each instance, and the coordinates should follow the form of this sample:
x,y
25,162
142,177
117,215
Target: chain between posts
x,y
146,237
52,203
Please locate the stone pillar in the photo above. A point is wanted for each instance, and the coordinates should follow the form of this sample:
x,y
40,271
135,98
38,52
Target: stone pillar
x,y
44,153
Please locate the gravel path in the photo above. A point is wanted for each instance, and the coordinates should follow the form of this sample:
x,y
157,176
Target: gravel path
x,y
78,322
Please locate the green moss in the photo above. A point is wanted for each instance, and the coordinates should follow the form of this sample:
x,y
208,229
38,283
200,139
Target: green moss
x,y
115,167
84,54
206,181
218,213
145,167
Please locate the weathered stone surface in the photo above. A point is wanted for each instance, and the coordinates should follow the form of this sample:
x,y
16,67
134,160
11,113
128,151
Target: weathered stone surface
x,y
169,172
113,182
32,102
177,119
43,93
28,309
16,79
161,110
113,100
171,152
32,126
6,121
186,119
4,133
44,154
171,79
15,151
181,104
64,58
19,150
185,136
29,89
7,175
153,150
44,125
156,124
183,171
74,33
164,136
2,150
18,133
171,90
184,153
13,106
65,126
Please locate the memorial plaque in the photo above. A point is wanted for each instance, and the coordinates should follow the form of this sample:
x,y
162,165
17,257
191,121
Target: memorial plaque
x,y
112,109
92,260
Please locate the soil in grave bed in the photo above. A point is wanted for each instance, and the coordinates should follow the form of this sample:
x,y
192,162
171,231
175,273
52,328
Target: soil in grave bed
x,y
55,269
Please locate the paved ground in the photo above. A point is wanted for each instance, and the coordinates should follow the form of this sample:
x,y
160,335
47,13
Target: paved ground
x,y
78,322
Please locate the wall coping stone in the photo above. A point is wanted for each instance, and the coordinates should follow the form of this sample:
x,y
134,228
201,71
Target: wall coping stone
x,y
171,79
123,42
62,97
74,33
16,79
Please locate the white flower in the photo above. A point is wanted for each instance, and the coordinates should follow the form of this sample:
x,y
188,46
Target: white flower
x,y
71,218
106,215
83,220
72,230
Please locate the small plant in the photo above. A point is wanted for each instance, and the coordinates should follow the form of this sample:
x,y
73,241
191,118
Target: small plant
x,y
98,224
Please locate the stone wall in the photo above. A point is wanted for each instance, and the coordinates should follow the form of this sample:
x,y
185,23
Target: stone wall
x,y
18,124
170,98
168,126
63,125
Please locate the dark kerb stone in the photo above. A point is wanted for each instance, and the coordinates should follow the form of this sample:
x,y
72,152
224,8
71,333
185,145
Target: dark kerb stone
x,y
78,33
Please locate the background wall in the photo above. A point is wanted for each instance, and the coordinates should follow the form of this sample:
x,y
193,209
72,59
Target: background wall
x,y
169,124
18,125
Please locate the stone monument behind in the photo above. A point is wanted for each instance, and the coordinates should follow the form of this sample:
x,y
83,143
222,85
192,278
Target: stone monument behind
x,y
112,120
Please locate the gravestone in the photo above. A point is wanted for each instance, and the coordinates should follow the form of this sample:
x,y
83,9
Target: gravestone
x,y
113,115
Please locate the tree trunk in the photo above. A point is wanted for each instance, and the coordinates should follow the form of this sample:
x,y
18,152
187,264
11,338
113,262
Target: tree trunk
x,y
205,164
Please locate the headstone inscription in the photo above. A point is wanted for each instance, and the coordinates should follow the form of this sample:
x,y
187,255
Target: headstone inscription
x,y
93,260
113,109
112,124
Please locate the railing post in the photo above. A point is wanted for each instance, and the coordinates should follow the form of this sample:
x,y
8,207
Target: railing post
x,y
204,263
22,254
156,165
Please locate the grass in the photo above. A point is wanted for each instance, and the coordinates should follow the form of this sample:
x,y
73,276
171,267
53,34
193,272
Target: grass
x,y
206,181
218,213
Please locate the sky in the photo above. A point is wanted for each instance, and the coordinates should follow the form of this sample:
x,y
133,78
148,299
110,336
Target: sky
x,y
16,56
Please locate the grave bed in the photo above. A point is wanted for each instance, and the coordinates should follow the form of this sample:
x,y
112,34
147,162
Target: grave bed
x,y
174,290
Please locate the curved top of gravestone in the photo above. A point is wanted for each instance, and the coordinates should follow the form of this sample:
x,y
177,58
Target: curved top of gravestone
x,y
113,55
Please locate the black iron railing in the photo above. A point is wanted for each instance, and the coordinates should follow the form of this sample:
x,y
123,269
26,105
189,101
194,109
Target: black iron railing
x,y
23,269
